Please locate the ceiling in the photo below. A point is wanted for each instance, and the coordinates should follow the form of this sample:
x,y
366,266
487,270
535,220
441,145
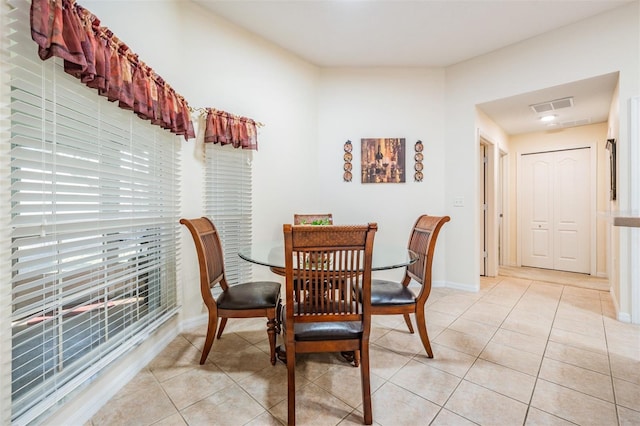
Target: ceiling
x,y
591,99
427,33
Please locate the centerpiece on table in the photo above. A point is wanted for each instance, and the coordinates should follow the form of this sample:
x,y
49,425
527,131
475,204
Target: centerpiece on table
x,y
316,260
323,221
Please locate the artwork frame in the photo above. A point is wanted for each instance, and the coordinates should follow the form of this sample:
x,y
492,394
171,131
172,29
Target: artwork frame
x,y
383,160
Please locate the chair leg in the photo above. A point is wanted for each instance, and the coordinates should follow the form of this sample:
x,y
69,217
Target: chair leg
x,y
422,330
211,333
271,332
223,323
291,386
407,320
366,385
356,358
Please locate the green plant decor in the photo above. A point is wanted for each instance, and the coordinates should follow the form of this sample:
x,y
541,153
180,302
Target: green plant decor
x,y
324,221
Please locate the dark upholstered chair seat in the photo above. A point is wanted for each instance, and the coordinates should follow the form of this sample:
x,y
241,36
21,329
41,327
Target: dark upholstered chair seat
x,y
390,293
318,331
253,295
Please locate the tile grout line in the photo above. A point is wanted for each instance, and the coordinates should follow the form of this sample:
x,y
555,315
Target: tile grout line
x,y
480,353
546,345
606,341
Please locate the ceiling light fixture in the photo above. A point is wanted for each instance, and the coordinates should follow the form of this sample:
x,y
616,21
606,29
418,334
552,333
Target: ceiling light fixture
x,y
548,118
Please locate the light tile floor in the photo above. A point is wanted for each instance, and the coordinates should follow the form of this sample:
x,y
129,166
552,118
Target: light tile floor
x,y
519,352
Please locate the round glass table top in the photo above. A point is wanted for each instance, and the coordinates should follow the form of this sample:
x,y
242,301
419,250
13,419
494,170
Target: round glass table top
x,y
272,255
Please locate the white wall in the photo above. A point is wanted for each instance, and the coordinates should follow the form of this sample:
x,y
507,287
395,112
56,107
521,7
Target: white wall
x,y
382,103
603,44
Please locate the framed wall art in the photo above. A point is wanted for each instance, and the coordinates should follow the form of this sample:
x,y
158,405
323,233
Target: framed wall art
x,y
383,160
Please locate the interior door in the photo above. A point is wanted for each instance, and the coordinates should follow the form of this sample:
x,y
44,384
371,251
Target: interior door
x,y
555,216
537,213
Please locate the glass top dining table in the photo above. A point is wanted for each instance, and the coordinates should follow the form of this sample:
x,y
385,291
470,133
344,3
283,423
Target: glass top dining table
x,y
272,254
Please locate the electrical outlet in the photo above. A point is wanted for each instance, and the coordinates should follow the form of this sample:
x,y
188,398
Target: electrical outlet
x,y
458,202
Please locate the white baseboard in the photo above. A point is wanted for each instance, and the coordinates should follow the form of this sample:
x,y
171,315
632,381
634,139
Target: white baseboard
x,y
621,316
474,288
194,322
624,317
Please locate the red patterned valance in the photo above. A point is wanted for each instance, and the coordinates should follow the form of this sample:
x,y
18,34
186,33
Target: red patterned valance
x,y
224,128
94,55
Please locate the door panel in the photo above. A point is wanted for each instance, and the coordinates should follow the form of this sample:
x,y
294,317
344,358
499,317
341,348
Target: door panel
x,y
571,199
540,246
536,193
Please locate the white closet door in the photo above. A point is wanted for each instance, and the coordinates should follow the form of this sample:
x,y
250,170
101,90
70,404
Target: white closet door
x,y
555,217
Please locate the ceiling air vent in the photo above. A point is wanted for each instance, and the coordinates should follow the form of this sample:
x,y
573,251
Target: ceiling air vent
x,y
552,105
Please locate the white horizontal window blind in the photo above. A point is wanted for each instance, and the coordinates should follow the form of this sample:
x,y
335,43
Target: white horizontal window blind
x,y
94,227
228,204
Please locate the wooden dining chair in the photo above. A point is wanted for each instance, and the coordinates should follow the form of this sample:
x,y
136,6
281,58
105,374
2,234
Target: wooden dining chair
x,y
390,297
313,219
327,267
244,300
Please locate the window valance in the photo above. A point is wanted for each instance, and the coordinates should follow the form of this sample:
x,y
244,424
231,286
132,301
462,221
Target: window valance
x,y
224,128
94,55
